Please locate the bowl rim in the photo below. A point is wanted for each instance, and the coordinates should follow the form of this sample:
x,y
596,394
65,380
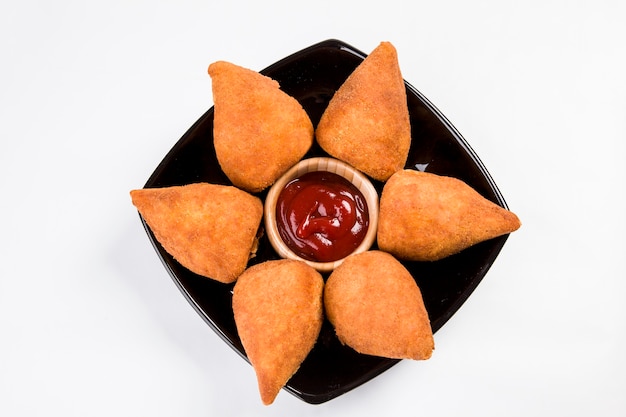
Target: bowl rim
x,y
328,164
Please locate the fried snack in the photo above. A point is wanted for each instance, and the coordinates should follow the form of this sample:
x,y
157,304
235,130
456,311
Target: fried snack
x,y
377,308
209,229
278,312
427,217
366,122
259,131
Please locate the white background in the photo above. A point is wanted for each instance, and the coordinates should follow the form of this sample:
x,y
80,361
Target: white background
x,y
93,95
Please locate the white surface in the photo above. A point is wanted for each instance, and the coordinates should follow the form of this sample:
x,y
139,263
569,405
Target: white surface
x,y
92,96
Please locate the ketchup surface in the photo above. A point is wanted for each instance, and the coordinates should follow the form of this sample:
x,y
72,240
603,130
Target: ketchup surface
x,y
321,216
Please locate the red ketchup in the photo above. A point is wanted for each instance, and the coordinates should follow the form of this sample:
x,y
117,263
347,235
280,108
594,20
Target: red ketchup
x,y
321,216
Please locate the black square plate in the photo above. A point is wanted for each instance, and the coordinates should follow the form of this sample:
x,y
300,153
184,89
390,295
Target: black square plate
x,y
312,76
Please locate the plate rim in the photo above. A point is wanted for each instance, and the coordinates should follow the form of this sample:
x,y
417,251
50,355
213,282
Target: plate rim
x,y
387,363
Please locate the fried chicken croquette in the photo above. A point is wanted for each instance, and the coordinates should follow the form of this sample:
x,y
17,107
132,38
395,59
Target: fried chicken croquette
x,y
427,217
367,122
377,309
278,311
259,131
209,229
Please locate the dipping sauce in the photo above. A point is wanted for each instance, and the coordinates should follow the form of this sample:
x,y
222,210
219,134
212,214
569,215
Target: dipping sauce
x,y
321,216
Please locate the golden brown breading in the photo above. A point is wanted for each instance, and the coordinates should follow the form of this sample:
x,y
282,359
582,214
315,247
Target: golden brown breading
x,y
377,308
209,229
426,217
366,122
259,131
278,312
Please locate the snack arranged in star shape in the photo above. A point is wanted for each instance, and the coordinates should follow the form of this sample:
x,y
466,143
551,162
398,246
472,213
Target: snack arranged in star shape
x,y
278,309
210,229
366,123
377,308
427,217
373,302
259,132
